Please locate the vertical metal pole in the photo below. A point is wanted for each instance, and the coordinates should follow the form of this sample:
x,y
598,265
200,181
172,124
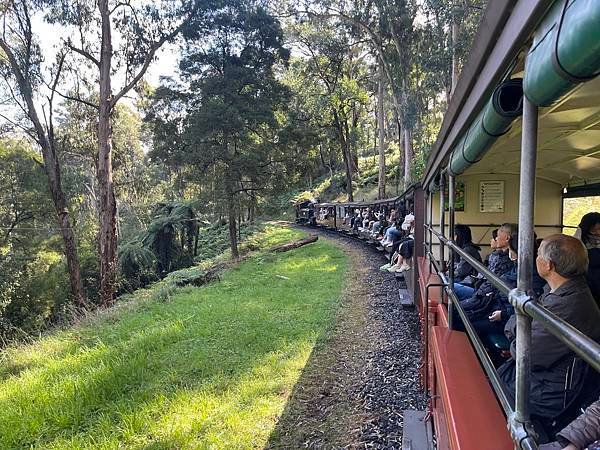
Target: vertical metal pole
x,y
430,221
526,213
451,236
442,219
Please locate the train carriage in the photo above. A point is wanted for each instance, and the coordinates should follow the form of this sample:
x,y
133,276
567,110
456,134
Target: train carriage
x,y
305,212
326,215
521,134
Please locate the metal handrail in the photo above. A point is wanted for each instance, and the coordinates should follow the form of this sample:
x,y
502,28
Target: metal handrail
x,y
477,265
489,225
586,348
483,356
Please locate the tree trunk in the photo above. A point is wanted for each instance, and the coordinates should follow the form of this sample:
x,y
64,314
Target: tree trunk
x,y
233,237
400,166
346,155
239,222
252,212
53,173
328,167
408,154
68,236
347,139
455,32
292,245
108,231
352,138
380,126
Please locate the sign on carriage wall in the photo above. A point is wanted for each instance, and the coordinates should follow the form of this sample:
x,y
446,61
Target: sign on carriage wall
x,y
459,197
491,196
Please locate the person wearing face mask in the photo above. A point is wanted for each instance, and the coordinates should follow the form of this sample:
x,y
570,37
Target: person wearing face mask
x,y
499,306
499,262
488,304
589,233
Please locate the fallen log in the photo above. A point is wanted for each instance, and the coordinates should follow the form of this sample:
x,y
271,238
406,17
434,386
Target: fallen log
x,y
293,245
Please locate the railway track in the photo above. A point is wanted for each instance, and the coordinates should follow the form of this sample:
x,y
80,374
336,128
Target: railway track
x,y
369,367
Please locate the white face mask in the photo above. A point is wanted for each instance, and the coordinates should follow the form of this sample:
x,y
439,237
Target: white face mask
x,y
593,241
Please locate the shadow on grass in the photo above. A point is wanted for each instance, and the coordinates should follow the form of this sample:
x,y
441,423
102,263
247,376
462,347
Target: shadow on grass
x,y
210,363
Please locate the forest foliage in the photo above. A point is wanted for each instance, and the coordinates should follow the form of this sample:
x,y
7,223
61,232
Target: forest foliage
x,y
108,182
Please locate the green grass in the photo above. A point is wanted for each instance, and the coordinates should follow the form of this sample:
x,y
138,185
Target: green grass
x,y
210,368
575,208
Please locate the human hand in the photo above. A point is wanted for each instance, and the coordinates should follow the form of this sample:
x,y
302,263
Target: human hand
x,y
495,316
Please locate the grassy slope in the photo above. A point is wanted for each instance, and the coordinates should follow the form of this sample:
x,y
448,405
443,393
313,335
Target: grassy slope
x,y
212,368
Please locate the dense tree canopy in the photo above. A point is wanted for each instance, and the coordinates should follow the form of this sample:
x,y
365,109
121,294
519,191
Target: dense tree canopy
x,y
333,99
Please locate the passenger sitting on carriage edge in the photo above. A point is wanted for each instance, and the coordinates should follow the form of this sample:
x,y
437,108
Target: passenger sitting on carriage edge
x,y
562,261
499,261
391,234
357,220
403,248
376,226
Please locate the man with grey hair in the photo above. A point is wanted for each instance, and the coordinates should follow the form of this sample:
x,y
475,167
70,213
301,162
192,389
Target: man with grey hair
x,y
562,261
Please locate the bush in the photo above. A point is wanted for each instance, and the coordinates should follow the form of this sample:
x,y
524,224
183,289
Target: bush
x,y
33,290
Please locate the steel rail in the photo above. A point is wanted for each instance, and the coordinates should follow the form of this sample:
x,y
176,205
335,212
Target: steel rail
x,y
482,354
489,225
451,187
442,217
488,274
586,348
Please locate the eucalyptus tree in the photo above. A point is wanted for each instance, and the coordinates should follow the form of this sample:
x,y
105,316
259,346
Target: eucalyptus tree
x,y
334,75
104,39
136,193
386,26
30,90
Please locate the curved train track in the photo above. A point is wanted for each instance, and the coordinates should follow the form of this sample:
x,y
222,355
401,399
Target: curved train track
x,y
355,387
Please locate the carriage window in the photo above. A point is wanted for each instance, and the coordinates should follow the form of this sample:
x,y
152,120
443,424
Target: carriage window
x,y
575,208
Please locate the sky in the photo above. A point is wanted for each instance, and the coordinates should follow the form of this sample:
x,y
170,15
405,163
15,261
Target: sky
x,y
165,64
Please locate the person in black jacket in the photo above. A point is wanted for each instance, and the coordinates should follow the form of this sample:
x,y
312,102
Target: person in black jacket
x,y
490,316
464,239
464,274
562,261
499,262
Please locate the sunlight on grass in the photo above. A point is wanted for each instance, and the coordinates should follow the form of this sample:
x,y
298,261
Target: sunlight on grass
x,y
211,368
575,208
